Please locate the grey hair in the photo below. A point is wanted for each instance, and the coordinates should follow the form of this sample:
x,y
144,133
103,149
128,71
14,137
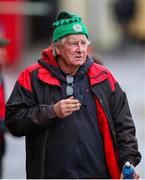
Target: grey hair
x,y
59,41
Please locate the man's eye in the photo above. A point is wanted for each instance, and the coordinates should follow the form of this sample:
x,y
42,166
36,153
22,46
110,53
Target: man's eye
x,y
74,43
84,43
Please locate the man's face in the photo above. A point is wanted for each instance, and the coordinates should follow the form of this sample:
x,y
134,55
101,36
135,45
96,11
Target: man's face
x,y
74,50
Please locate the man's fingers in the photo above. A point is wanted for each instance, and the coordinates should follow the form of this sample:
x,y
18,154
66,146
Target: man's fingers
x,y
73,106
71,103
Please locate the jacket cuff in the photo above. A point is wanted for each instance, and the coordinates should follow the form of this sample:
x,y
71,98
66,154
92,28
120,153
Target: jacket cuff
x,y
51,112
128,160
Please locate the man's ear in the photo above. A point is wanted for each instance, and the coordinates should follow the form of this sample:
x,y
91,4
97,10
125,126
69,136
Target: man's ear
x,y
58,50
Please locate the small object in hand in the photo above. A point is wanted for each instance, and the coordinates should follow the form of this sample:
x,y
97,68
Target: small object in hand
x,y
128,171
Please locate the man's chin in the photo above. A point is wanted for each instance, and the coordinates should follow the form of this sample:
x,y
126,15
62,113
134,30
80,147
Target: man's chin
x,y
80,61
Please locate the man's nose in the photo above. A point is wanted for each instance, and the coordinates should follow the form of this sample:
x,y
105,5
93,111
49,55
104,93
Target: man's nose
x,y
79,47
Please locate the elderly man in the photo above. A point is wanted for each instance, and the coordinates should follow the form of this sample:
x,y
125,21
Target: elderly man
x,y
72,111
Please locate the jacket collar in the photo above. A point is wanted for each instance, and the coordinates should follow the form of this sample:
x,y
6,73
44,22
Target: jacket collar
x,y
97,74
48,57
45,76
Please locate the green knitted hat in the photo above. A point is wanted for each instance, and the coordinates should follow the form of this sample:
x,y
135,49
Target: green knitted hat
x,y
67,24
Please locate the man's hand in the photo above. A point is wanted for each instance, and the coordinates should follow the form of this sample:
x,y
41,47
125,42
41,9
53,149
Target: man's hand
x,y
135,176
66,107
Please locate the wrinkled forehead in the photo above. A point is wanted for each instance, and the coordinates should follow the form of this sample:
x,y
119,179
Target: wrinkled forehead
x,y
76,37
